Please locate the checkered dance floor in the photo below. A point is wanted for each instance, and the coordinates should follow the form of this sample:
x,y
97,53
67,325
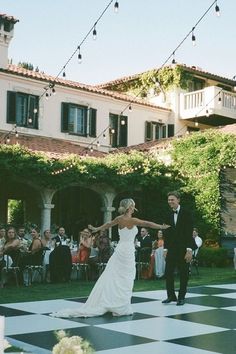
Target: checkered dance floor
x,y
205,324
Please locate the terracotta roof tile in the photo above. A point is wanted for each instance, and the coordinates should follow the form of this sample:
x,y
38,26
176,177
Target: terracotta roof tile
x,y
53,148
193,69
16,70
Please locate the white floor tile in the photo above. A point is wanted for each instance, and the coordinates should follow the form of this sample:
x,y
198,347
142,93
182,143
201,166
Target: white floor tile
x,y
44,306
36,323
162,328
156,308
155,348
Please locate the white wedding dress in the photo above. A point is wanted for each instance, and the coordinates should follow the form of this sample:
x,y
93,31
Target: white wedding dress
x,y
113,290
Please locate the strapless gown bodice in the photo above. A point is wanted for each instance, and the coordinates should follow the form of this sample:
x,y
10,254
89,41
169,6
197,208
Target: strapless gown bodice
x,y
113,290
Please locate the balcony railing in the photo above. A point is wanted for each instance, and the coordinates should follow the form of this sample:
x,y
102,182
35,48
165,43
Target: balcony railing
x,y
211,100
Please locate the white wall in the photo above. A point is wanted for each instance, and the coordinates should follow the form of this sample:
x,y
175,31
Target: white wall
x,y
50,110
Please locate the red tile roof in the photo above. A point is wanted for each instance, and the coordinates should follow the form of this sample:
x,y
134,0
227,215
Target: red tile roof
x,y
231,128
53,148
16,70
192,69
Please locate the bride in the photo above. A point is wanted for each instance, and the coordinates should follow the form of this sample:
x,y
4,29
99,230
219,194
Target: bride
x,y
113,290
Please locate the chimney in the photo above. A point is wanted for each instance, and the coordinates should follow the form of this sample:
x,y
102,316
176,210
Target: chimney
x,y
6,34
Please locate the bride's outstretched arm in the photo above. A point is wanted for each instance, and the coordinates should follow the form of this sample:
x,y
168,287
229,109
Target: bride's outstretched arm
x,y
104,226
152,225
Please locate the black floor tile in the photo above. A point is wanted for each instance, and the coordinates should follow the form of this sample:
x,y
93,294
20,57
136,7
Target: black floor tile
x,y
213,301
99,338
210,290
108,318
9,312
220,342
216,317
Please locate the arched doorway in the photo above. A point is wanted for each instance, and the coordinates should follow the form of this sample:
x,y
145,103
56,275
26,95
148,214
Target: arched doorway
x,y
75,208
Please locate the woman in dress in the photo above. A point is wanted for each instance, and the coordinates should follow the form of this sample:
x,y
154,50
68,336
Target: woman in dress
x,y
113,290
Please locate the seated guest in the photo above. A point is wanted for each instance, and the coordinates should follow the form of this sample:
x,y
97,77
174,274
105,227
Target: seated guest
x,y
2,236
197,240
12,246
34,255
159,263
61,236
24,242
85,244
105,249
47,240
144,247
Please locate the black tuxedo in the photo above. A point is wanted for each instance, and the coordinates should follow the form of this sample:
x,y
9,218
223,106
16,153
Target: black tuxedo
x,y
177,239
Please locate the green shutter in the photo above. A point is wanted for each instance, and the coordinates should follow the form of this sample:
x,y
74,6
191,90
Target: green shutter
x,y
148,131
11,107
123,131
171,130
113,125
64,116
92,122
33,103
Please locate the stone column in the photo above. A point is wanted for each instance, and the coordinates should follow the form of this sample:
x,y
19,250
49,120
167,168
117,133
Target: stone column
x,y
46,216
46,207
107,209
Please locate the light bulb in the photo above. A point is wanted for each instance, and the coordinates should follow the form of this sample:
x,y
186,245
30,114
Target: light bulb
x,y
217,9
122,122
16,134
29,120
219,100
116,6
64,74
130,108
112,130
196,123
35,110
94,33
104,135
193,39
79,58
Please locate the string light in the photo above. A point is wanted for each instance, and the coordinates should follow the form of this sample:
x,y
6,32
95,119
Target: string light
x,y
173,60
79,56
112,131
130,108
116,6
193,37
94,32
217,9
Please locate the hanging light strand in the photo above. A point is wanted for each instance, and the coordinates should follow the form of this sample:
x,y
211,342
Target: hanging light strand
x,y
78,49
172,55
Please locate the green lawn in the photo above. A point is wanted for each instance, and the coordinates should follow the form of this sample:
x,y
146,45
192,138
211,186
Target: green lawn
x,y
207,276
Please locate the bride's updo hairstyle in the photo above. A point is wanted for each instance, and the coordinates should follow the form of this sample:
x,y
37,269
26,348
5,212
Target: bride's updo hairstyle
x,y
125,204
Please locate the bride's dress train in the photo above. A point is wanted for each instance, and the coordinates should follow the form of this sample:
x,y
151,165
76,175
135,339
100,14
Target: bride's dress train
x,y
113,290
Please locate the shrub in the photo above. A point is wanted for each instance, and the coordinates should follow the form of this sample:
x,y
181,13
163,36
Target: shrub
x,y
213,257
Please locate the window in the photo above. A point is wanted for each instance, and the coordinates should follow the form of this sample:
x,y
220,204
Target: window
x,y
118,130
22,109
155,131
79,120
195,84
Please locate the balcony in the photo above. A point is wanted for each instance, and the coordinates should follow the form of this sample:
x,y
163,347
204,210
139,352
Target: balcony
x,y
211,106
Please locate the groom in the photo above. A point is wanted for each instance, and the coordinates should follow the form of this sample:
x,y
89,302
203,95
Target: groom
x,y
178,246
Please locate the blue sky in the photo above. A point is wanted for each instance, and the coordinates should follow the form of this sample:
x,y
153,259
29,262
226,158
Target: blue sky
x,y
140,37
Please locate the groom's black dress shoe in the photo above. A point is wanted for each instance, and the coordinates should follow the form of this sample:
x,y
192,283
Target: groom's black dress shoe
x,y
180,302
168,300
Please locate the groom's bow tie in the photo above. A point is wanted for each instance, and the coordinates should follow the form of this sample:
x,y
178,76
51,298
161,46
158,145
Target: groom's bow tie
x,y
175,211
